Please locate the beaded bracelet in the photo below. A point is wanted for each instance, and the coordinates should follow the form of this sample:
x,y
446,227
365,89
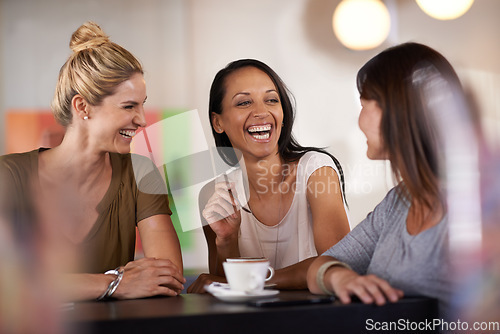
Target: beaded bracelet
x,y
320,276
114,284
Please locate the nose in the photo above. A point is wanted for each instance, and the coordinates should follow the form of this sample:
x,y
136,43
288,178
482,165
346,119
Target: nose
x,y
361,118
140,117
260,111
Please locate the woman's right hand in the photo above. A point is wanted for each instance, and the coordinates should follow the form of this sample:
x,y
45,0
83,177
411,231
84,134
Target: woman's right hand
x,y
148,277
222,211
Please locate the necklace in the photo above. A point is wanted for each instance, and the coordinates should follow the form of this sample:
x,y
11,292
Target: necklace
x,y
279,221
275,262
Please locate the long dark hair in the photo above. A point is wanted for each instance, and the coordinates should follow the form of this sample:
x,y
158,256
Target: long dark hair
x,y
408,131
288,147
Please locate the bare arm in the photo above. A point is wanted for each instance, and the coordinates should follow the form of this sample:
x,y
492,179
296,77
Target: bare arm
x,y
292,277
142,278
76,287
159,239
324,195
215,259
222,218
330,224
216,272
160,273
217,209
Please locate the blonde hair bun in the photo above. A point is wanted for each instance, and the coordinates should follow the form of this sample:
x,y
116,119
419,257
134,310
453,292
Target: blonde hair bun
x,y
94,70
88,36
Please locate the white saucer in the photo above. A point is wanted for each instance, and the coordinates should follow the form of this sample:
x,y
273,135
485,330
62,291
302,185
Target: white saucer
x,y
223,292
238,297
226,285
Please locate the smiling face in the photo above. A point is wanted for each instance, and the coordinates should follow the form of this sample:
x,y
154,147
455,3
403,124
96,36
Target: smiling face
x,y
252,114
114,122
369,122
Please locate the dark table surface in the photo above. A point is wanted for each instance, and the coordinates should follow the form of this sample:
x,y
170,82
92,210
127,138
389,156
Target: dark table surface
x,y
193,313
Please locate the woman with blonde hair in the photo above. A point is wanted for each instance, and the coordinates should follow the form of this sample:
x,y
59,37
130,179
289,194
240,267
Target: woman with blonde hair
x,y
85,193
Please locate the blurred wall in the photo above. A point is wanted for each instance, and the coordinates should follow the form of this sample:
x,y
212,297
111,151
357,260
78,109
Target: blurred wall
x,y
183,43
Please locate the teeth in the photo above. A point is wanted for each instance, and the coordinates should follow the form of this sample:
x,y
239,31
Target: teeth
x,y
261,128
266,136
127,133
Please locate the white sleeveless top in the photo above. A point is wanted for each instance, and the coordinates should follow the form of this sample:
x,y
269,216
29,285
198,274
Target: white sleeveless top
x,y
292,239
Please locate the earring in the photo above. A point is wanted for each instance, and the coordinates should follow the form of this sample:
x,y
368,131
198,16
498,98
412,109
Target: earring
x,y
85,117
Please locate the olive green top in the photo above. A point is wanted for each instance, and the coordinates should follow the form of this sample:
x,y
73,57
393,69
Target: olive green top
x,y
111,240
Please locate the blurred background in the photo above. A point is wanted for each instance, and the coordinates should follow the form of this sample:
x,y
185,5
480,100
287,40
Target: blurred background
x,y
183,43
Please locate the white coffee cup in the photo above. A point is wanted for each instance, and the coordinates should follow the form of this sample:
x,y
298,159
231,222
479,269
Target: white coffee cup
x,y
246,259
247,275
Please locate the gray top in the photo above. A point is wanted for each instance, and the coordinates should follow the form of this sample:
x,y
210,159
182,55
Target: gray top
x,y
381,245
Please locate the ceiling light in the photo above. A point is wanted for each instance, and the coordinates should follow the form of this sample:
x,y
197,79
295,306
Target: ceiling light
x,y
361,24
445,9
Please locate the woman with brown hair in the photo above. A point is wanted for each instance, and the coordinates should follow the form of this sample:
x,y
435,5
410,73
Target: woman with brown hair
x,y
400,248
85,194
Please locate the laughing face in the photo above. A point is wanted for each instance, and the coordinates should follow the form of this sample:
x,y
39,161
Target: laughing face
x,y
114,122
252,114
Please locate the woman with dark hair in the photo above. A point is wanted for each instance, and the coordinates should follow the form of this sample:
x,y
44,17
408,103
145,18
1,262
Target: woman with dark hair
x,y
294,206
400,248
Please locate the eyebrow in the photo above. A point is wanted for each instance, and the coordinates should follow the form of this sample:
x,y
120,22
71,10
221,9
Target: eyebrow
x,y
247,93
133,102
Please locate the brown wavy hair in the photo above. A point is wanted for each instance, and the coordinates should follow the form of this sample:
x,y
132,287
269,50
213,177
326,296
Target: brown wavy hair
x,y
409,132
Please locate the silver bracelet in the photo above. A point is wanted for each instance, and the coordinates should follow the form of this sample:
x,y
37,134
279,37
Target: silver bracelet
x,y
117,281
114,284
320,275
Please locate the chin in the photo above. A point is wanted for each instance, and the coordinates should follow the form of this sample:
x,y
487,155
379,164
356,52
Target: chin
x,y
378,156
122,150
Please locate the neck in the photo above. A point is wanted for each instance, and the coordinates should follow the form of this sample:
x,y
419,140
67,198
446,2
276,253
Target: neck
x,y
74,158
421,217
264,175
